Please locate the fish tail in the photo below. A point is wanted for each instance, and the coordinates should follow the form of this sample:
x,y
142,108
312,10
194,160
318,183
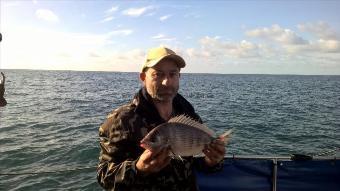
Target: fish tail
x,y
226,135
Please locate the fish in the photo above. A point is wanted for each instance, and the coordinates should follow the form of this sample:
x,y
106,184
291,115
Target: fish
x,y
184,135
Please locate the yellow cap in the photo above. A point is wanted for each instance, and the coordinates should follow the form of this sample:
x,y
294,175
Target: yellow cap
x,y
155,55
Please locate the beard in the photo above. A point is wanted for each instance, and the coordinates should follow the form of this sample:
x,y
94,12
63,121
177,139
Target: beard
x,y
163,94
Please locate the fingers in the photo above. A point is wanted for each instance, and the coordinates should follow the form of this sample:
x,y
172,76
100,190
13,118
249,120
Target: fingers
x,y
150,155
160,156
163,159
216,146
151,161
146,157
214,152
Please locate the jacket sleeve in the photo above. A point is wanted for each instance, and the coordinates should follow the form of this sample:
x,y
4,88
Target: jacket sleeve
x,y
117,165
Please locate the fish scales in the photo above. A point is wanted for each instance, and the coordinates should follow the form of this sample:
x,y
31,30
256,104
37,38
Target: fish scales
x,y
185,136
183,142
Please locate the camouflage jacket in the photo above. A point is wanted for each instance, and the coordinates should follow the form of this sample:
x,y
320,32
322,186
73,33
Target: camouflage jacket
x,y
120,137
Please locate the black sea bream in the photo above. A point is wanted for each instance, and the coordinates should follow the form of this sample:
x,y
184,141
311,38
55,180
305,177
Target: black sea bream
x,y
185,136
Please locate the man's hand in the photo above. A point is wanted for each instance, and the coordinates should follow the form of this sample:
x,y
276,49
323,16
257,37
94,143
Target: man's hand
x,y
153,161
214,152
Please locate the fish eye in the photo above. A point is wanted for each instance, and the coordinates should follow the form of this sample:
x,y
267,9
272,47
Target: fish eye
x,y
153,139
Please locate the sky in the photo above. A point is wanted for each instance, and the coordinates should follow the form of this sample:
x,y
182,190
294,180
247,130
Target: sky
x,y
217,36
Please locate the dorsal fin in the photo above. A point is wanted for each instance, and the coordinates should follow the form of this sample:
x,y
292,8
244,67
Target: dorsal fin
x,y
186,120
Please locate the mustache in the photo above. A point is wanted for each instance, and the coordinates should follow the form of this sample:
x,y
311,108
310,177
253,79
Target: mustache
x,y
166,89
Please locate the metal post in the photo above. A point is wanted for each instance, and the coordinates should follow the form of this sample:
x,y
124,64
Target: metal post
x,y
274,174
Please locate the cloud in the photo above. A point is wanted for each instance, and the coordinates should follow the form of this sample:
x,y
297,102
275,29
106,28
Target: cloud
x,y
277,34
320,29
57,50
319,46
286,53
8,4
290,43
219,48
93,55
111,10
159,36
162,37
107,19
122,32
329,45
47,15
136,12
191,52
165,17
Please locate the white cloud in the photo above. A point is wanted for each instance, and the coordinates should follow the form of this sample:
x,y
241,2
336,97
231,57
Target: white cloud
x,y
219,48
159,36
191,52
122,32
84,51
136,12
320,29
165,17
48,49
319,46
162,37
266,56
288,42
47,15
111,10
278,34
107,19
11,3
329,45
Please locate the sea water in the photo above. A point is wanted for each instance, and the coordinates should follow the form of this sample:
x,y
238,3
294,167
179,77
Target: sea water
x,y
49,129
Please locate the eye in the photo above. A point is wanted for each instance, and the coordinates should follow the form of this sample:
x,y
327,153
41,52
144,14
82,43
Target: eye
x,y
173,74
153,139
158,74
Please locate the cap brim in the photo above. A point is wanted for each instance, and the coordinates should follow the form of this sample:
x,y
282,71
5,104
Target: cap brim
x,y
179,61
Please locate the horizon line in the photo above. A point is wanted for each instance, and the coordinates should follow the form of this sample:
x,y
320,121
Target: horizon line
x,y
278,74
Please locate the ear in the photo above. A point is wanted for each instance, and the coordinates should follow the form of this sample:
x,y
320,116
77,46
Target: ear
x,y
142,76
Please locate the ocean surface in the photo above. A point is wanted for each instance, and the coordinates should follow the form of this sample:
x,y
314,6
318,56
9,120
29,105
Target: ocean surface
x,y
50,125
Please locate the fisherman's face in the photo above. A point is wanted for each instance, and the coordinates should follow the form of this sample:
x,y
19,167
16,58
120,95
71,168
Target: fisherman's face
x,y
162,80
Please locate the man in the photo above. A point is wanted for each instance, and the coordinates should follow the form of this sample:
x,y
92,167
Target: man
x,y
124,165
3,101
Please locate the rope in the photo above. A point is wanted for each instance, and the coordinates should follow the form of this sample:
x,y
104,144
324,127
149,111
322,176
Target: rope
x,y
47,172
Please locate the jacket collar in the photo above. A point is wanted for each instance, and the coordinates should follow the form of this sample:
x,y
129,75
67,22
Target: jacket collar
x,y
146,108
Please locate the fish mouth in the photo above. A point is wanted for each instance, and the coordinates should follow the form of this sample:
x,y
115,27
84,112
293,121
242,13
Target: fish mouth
x,y
145,146
142,145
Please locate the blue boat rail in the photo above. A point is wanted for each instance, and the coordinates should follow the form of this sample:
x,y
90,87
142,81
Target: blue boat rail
x,y
277,173
257,173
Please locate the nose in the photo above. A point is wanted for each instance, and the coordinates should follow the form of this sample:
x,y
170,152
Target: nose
x,y
165,81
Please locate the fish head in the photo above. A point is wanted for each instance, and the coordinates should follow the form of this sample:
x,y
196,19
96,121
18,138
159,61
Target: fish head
x,y
153,141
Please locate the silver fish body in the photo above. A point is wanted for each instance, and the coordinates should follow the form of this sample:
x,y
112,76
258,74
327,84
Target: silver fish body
x,y
184,136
